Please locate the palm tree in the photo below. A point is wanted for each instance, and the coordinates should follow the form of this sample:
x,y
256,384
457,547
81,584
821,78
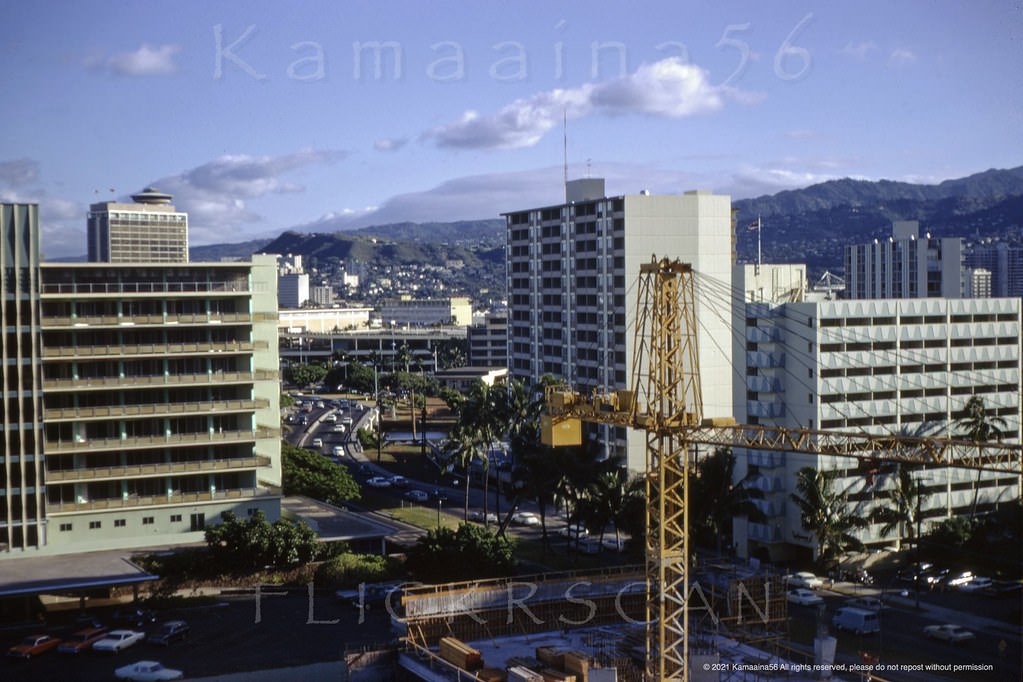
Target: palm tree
x,y
980,426
717,498
464,442
607,497
826,514
904,503
532,480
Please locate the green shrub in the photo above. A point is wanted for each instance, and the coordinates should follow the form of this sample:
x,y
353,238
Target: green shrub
x,y
348,570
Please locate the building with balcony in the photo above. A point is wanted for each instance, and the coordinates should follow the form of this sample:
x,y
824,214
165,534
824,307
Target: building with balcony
x,y
147,231
1003,261
572,270
161,388
488,342
892,366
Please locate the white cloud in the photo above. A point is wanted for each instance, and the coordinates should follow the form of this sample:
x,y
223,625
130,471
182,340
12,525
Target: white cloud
x,y
859,51
669,88
901,56
389,144
216,192
148,60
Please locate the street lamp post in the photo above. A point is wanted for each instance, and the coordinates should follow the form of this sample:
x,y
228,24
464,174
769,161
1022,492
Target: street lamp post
x,y
439,503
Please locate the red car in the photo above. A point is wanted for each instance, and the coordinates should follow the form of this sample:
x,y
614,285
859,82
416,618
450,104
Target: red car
x,y
82,640
33,645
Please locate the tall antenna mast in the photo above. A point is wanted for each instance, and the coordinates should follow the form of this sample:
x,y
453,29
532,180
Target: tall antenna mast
x,y
564,139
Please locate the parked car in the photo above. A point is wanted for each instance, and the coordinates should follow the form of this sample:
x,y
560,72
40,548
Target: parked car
x,y
118,640
317,443
379,482
171,631
399,482
147,671
804,579
867,603
525,519
417,496
81,640
573,532
610,542
804,597
369,596
33,645
477,515
953,634
134,617
979,583
860,621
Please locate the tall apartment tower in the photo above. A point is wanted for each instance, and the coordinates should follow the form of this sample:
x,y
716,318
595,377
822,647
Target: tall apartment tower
x,y
572,270
147,231
905,266
22,507
892,366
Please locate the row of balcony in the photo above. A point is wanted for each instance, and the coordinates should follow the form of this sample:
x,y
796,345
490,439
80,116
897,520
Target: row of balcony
x,y
152,410
53,289
173,497
148,381
78,321
145,470
154,349
59,447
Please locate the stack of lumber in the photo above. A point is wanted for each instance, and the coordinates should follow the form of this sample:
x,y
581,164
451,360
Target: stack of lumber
x,y
552,675
577,663
459,653
492,675
550,656
520,674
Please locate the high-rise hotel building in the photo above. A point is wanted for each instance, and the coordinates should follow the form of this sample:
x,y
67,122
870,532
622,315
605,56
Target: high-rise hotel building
x,y
572,270
147,397
147,231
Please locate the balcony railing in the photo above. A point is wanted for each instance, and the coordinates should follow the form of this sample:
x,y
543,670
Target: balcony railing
x,y
145,470
173,498
152,349
143,320
156,380
146,287
58,447
152,410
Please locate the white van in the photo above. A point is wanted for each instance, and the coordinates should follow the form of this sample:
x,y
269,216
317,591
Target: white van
x,y
860,621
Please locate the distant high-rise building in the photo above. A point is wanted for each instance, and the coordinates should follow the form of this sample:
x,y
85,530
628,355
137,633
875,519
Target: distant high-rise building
x,y
905,266
23,503
292,290
147,231
1004,262
572,270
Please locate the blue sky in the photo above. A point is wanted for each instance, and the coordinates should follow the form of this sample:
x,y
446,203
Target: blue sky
x,y
264,116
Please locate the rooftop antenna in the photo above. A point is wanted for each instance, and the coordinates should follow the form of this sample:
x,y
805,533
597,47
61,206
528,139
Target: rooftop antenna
x,y
564,139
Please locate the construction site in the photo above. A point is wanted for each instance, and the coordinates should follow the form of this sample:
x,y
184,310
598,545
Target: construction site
x,y
668,619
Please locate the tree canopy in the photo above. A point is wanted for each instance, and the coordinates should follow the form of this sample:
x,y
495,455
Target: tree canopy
x,y
470,552
254,543
311,474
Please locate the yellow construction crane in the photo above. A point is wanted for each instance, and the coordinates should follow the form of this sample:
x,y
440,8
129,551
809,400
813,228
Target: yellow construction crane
x,y
664,401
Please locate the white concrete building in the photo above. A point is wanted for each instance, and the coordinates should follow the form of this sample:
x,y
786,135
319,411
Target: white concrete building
x,y
572,270
150,230
424,312
898,366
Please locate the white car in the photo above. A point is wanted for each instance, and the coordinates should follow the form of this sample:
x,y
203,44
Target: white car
x,y
339,451
954,634
379,482
477,515
116,640
525,519
147,671
804,597
804,579
867,603
573,532
317,443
